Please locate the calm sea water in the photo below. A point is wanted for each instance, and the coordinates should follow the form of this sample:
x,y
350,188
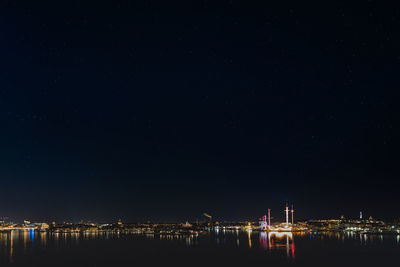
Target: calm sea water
x,y
225,248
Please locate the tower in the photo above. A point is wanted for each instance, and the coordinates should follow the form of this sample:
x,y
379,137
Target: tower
x,y
360,215
269,217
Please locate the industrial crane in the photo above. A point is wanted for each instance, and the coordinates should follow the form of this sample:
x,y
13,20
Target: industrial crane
x,y
208,216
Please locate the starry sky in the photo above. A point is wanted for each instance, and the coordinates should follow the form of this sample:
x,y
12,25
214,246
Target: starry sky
x,y
153,110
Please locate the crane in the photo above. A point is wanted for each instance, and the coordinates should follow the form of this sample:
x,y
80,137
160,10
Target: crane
x,y
208,216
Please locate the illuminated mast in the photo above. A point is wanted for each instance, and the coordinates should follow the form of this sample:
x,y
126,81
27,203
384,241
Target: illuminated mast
x,y
287,214
265,222
292,211
269,218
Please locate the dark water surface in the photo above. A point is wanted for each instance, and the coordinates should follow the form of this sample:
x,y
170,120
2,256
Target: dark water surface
x,y
225,248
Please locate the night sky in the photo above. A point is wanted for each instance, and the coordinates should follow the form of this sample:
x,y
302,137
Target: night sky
x,y
159,110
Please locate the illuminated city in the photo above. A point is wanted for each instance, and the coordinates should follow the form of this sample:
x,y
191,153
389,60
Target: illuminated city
x,y
264,224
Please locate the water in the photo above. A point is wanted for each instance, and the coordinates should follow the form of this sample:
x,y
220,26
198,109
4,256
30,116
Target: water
x,y
225,248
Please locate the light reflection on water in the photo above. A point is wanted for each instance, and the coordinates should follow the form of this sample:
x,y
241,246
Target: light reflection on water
x,y
24,241
278,241
17,243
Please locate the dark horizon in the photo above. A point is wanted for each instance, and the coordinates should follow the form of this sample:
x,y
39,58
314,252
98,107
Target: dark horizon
x,y
146,110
